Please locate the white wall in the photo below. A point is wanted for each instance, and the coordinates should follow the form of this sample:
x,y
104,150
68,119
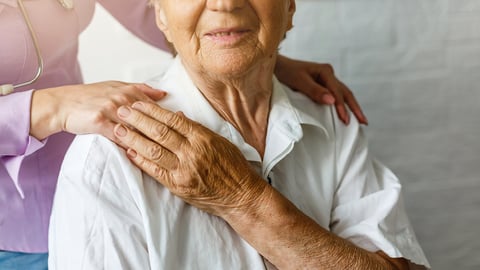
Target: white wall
x,y
109,52
414,67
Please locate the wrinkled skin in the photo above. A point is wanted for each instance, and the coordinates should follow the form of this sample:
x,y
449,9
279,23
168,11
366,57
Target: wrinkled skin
x,y
194,163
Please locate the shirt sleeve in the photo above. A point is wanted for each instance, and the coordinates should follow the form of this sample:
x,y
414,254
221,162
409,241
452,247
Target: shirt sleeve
x,y
138,18
95,221
367,208
15,140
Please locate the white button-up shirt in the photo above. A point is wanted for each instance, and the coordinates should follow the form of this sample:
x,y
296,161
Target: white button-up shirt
x,y
109,215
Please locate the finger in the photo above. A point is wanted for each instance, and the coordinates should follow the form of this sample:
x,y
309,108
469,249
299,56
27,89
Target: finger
x,y
342,111
109,132
150,150
106,130
353,105
131,92
151,128
317,92
175,121
335,88
327,78
154,94
159,173
321,94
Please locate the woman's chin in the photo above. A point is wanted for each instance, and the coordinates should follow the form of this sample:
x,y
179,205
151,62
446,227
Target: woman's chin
x,y
229,66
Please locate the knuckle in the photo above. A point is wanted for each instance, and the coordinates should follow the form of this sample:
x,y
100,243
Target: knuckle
x,y
143,86
155,152
186,190
316,91
173,120
348,94
150,108
122,98
116,83
109,105
157,172
109,84
330,68
159,132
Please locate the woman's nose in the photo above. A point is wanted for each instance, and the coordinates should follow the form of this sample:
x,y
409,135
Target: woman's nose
x,y
225,5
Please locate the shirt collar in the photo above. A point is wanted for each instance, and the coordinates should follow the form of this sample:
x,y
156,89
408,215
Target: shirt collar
x,y
288,112
184,96
295,109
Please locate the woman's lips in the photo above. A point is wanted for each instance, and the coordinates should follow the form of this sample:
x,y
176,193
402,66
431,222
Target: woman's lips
x,y
226,36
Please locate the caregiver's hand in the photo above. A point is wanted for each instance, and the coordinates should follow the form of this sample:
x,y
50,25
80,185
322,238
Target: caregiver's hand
x,y
318,82
194,163
84,108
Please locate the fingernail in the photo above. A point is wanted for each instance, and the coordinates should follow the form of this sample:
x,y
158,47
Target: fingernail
x,y
138,106
180,113
123,111
131,153
328,99
365,119
347,117
120,131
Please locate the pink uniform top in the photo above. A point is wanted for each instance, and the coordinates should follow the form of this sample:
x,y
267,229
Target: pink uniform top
x,y
28,167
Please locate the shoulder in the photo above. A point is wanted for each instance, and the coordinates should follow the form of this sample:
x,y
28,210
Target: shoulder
x,y
89,156
85,147
325,116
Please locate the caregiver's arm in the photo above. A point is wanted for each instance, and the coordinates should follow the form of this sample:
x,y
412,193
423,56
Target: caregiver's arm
x,y
176,152
84,108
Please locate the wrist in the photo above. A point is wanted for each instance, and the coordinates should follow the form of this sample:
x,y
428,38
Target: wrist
x,y
43,114
280,62
283,67
275,227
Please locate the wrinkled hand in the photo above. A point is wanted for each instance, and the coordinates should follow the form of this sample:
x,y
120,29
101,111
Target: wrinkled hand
x,y
318,82
194,163
88,108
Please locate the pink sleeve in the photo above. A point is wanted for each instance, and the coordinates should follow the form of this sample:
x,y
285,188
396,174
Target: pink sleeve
x,y
138,18
15,140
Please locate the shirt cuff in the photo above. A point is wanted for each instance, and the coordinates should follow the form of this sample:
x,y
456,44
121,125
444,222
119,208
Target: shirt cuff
x,y
13,164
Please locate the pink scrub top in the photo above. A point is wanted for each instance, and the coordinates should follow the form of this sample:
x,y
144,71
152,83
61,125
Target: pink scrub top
x,y
28,167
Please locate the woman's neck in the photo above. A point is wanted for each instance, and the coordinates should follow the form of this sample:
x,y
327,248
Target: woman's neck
x,y
243,101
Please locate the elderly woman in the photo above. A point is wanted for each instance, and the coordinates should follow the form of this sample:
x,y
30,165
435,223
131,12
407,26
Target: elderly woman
x,y
263,178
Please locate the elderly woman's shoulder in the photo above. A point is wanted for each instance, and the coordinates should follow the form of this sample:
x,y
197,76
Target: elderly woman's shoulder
x,y
320,114
90,149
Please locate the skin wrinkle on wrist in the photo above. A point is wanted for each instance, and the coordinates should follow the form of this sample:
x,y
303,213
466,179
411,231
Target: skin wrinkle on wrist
x,y
272,214
251,210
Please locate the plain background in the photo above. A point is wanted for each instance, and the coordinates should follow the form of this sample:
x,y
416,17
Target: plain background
x,y
414,65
